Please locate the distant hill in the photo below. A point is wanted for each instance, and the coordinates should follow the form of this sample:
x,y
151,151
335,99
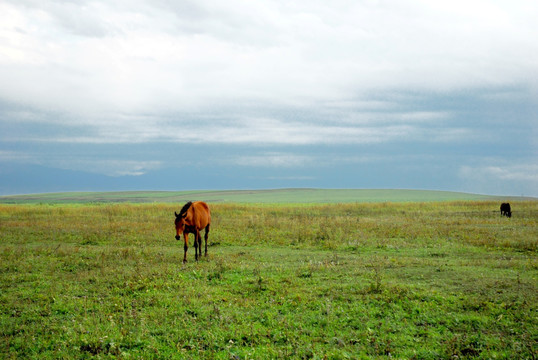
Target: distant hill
x,y
251,196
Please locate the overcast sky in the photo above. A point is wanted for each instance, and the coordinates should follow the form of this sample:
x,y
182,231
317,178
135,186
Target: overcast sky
x,y
252,94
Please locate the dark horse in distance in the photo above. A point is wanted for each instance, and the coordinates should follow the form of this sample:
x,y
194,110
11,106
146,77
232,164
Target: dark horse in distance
x,y
193,218
506,210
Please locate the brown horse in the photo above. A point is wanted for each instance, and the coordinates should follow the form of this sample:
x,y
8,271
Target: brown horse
x,y
192,218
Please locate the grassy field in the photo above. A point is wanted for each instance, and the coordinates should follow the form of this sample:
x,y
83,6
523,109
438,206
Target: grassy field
x,y
297,196
423,280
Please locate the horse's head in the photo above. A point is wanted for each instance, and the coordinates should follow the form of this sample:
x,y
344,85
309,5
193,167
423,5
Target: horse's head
x,y
180,225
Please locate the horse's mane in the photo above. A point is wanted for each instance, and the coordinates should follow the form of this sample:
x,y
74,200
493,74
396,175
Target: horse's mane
x,y
185,208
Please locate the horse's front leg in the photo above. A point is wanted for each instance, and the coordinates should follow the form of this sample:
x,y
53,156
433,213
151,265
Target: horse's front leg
x,y
185,246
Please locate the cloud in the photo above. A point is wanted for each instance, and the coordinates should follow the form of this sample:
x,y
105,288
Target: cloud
x,y
117,164
501,177
113,166
9,156
517,172
279,80
131,56
261,125
256,132
274,159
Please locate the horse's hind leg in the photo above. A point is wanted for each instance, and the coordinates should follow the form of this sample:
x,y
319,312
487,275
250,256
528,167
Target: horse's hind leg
x,y
206,236
185,247
197,245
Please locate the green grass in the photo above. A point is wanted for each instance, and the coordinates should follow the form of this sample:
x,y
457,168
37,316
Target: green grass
x,y
428,280
249,196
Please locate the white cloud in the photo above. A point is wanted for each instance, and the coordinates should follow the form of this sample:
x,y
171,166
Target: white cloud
x,y
9,156
518,172
358,129
114,165
254,132
111,166
274,159
502,177
138,56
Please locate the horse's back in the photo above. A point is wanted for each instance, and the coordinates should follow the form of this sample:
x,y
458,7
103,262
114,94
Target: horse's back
x,y
202,214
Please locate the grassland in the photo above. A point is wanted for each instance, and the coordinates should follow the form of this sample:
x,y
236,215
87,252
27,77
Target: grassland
x,y
298,196
423,280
